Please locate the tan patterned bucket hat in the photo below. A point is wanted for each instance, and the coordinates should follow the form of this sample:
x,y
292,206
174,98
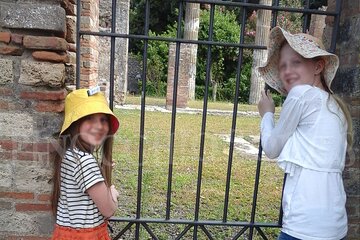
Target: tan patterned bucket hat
x,y
304,44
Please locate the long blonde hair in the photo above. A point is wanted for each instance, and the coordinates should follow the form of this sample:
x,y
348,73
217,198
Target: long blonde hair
x,y
345,109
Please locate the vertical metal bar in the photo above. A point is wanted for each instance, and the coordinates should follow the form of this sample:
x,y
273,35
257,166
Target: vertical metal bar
x,y
274,13
234,117
78,47
142,121
336,26
204,115
281,209
306,17
256,188
112,54
173,113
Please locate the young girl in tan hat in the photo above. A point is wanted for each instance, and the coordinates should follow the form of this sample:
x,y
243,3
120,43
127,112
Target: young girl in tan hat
x,y
310,138
83,197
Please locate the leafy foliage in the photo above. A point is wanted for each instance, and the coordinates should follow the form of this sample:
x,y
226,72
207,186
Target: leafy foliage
x,y
162,14
223,60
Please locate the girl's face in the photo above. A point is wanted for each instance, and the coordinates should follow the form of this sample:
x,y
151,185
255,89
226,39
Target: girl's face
x,y
296,70
94,129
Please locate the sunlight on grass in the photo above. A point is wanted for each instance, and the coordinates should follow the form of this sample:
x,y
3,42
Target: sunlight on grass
x,y
185,171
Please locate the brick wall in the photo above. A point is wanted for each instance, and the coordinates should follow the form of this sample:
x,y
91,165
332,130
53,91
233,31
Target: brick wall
x,y
37,54
347,85
89,44
184,75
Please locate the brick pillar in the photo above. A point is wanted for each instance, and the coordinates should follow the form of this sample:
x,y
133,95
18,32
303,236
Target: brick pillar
x,y
89,44
184,76
347,85
317,24
33,67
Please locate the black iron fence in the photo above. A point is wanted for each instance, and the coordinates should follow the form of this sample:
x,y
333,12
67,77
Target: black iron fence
x,y
246,229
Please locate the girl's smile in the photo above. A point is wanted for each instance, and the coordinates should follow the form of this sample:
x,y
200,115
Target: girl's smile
x,y
296,70
94,129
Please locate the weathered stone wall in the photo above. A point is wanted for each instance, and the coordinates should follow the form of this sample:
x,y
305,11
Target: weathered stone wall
x,y
121,47
37,54
347,85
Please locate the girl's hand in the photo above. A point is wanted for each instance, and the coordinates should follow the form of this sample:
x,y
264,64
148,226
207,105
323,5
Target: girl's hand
x,y
266,103
114,193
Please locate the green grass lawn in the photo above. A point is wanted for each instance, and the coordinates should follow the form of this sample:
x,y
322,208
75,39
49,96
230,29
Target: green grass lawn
x,y
185,170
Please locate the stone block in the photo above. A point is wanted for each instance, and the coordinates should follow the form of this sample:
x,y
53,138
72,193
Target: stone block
x,y
10,127
48,124
6,71
70,74
11,50
49,106
6,174
42,73
33,16
5,37
70,8
40,94
34,175
10,220
5,205
70,29
17,38
72,47
45,223
72,57
51,56
45,43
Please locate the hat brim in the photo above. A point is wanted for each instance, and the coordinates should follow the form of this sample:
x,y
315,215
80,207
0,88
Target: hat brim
x,y
303,46
83,107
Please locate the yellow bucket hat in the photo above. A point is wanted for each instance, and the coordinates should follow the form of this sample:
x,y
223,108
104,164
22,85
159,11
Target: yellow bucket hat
x,y
79,104
305,45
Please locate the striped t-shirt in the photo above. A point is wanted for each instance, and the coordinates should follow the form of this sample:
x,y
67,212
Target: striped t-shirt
x,y
79,171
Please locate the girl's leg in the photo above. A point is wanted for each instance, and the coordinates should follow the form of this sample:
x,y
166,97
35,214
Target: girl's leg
x,y
284,236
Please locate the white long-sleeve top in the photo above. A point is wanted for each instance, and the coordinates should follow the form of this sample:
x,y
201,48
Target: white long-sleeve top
x,y
309,141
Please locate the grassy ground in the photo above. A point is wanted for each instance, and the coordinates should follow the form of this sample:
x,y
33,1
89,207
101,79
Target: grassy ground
x,y
185,170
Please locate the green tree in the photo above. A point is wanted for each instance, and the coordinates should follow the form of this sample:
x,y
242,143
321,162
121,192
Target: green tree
x,y
162,14
226,29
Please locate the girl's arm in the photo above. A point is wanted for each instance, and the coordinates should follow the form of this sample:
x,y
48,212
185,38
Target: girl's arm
x,y
274,137
105,198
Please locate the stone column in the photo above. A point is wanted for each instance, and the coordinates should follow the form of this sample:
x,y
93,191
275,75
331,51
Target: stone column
x,y
89,44
121,63
261,38
183,79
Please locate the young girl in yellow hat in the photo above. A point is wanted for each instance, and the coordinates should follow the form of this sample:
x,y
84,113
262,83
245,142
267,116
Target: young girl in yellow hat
x,y
83,197
310,138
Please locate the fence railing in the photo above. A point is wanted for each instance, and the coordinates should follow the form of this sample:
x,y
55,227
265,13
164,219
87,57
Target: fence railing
x,y
248,228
